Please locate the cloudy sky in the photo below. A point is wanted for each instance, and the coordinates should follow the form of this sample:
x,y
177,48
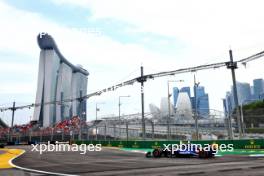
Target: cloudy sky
x,y
112,39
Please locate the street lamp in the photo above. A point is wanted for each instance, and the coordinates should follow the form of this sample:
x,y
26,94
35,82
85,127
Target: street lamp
x,y
169,108
96,110
119,111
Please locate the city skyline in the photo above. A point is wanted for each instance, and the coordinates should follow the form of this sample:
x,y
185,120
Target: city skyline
x,y
201,100
132,87
113,43
246,94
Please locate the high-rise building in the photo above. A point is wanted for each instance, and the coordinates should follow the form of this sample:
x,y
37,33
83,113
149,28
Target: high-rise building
x,y
58,80
187,90
200,91
261,96
203,105
176,92
258,88
175,95
230,103
202,101
243,93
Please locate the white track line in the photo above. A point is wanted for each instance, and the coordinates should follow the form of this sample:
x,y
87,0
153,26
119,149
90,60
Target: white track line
x,y
136,151
33,170
257,155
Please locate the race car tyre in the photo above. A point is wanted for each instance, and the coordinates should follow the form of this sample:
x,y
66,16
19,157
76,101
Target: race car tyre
x,y
203,154
176,154
169,154
210,154
148,155
156,153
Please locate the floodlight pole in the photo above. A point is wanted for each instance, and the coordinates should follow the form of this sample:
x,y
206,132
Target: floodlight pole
x,y
196,106
13,114
81,100
142,79
12,122
233,65
142,103
96,110
229,120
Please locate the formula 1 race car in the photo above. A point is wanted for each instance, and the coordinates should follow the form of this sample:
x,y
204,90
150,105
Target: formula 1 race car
x,y
188,152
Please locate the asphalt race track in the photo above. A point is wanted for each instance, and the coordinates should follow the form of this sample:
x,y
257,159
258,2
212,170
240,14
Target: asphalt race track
x,y
111,161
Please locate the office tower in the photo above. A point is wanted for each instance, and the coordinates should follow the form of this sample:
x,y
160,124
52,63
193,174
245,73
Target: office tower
x,y
187,90
258,88
201,101
243,93
230,104
175,95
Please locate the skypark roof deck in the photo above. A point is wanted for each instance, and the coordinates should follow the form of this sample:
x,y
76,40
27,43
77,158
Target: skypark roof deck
x,y
46,42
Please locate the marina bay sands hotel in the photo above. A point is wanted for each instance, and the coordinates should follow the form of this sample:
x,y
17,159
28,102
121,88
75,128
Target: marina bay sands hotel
x,y
58,80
